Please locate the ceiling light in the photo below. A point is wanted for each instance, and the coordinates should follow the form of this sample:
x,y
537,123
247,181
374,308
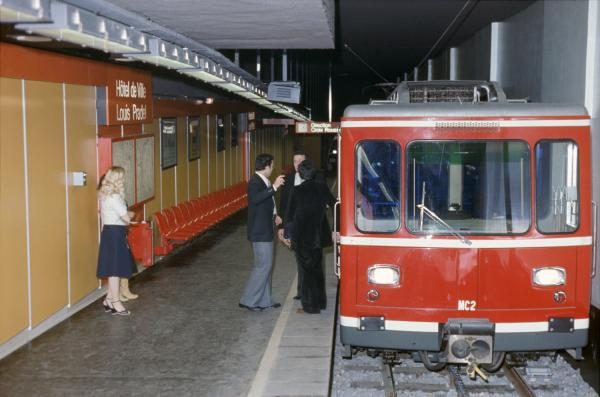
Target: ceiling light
x,y
73,25
29,38
162,53
16,11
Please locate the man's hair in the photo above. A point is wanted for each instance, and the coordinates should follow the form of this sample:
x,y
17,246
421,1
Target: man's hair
x,y
263,160
299,153
307,170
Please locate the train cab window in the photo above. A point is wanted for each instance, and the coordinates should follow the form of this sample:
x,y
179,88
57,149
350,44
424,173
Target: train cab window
x,y
468,187
557,190
377,197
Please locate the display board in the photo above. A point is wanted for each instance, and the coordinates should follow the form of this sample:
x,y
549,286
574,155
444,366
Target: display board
x,y
193,138
168,142
123,156
144,166
220,132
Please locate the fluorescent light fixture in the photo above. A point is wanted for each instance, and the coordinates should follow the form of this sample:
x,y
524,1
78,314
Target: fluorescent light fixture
x,y
73,25
17,11
163,53
204,69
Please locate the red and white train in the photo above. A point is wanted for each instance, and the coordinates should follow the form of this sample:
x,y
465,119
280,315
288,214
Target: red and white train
x,y
466,225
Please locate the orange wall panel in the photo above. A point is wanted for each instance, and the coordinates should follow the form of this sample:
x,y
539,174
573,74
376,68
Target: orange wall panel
x,y
83,202
212,153
14,315
47,209
204,144
182,160
153,205
168,187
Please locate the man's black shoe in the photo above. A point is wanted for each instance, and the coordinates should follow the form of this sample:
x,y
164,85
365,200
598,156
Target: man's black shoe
x,y
273,306
251,308
297,297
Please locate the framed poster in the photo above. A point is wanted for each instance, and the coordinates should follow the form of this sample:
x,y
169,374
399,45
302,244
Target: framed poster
x,y
123,156
168,142
193,138
220,132
144,168
234,129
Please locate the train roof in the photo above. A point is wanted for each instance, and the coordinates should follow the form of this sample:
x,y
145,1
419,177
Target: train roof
x,y
452,98
481,109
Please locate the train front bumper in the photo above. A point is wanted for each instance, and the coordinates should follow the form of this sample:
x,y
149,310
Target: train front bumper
x,y
380,333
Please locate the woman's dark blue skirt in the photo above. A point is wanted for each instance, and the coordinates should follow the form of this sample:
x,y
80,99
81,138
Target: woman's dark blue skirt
x,y
114,258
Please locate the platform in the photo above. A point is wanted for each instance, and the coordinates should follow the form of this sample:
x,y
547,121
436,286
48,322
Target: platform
x,y
186,335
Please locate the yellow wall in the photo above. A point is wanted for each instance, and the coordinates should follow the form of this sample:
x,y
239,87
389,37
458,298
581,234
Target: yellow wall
x,y
83,222
212,153
47,212
14,315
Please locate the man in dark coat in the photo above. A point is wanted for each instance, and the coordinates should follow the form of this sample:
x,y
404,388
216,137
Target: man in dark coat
x,y
292,180
307,224
261,217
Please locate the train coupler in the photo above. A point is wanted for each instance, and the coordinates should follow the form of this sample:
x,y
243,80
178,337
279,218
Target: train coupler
x,y
473,370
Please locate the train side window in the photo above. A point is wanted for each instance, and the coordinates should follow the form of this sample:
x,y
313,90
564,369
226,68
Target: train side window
x,y
377,194
557,186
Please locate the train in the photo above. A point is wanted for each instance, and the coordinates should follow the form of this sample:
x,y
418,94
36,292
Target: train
x,y
467,229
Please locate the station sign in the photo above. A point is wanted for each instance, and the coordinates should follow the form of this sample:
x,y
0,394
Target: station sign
x,y
129,98
318,128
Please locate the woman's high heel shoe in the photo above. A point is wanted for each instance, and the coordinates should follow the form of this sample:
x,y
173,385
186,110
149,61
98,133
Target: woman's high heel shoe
x,y
107,308
123,312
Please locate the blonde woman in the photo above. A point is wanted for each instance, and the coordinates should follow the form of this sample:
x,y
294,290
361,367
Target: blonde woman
x,y
114,260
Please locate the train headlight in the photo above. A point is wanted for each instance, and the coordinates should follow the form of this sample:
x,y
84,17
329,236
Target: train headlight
x,y
384,274
549,276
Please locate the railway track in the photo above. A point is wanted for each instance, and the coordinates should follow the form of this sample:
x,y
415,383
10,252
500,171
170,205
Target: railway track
x,y
370,376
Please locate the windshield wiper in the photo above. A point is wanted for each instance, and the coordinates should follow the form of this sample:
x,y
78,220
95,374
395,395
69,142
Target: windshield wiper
x,y
432,215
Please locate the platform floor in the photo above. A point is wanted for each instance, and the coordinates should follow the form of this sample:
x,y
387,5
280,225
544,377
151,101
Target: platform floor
x,y
186,335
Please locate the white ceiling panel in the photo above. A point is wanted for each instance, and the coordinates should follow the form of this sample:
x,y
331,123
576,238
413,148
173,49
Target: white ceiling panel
x,y
244,24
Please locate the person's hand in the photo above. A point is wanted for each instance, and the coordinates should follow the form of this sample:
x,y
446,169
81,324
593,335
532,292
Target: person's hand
x,y
280,235
288,242
280,180
278,220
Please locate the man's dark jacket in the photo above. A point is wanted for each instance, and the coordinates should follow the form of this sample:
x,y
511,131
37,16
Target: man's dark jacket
x,y
260,210
307,215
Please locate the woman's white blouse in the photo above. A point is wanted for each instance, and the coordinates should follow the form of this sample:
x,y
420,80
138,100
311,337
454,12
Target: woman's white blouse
x,y
111,210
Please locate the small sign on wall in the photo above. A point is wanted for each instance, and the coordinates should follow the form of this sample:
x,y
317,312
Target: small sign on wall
x,y
168,142
220,132
193,136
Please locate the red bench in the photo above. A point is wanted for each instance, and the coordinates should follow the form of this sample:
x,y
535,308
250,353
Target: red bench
x,y
181,223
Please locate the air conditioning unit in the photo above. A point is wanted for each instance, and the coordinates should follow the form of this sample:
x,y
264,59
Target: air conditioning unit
x,y
284,91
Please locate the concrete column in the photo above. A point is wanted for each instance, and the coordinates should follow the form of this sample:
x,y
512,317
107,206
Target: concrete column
x,y
453,63
495,52
284,66
258,64
416,74
236,58
430,69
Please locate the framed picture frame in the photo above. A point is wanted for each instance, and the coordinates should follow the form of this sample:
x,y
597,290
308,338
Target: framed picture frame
x,y
193,138
220,132
168,142
235,122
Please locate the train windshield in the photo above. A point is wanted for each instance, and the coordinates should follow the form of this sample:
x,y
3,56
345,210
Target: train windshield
x,y
475,187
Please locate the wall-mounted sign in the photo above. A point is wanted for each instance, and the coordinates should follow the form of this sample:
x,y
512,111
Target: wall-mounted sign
x,y
220,132
168,142
193,138
318,128
129,99
278,121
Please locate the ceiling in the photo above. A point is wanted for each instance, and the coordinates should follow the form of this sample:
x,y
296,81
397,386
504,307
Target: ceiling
x,y
360,42
244,24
